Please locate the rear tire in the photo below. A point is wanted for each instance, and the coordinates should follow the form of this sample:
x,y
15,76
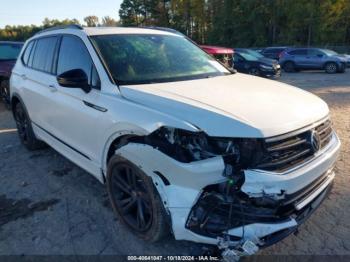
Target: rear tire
x,y
289,67
135,200
25,130
331,68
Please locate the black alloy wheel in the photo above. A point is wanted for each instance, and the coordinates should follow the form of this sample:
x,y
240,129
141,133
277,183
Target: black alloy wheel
x,y
131,198
22,124
135,200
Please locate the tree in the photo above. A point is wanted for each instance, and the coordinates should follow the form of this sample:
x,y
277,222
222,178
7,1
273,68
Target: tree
x,y
22,33
91,20
108,21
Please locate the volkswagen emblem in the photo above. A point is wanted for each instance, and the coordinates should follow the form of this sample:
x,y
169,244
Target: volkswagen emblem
x,y
315,141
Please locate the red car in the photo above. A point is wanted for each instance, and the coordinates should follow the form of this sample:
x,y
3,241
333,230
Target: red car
x,y
223,54
9,52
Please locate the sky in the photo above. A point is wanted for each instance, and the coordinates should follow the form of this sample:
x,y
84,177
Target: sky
x,y
26,12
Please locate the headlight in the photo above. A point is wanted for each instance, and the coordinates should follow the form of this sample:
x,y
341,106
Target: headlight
x,y
266,67
187,146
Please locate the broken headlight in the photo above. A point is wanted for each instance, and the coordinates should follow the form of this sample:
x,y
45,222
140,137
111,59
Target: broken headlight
x,y
187,146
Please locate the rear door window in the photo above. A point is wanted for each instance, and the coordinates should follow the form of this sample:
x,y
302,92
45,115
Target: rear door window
x,y
315,52
44,54
74,55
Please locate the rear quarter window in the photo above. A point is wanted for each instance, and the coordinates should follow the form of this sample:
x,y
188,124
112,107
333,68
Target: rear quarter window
x,y
26,54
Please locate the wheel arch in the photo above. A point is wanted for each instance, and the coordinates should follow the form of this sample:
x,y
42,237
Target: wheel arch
x,y
115,141
330,62
15,99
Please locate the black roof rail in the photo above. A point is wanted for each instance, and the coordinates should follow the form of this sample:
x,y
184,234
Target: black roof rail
x,y
72,26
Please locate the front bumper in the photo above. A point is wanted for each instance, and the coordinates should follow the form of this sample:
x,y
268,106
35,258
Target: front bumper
x,y
273,205
274,73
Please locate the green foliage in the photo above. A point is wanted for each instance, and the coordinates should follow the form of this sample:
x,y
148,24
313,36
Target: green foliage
x,y
246,22
22,33
236,23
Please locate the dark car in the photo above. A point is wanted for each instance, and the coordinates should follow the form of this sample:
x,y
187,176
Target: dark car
x,y
295,59
251,62
9,52
273,52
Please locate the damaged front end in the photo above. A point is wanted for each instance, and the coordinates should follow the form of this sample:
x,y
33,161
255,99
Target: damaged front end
x,y
225,211
240,194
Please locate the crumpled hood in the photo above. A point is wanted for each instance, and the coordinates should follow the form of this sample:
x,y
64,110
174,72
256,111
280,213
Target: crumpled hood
x,y
233,106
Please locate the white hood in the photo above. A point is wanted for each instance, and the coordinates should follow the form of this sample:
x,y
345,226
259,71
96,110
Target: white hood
x,y
233,106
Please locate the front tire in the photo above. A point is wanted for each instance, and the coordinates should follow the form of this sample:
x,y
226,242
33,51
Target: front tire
x,y
25,130
289,67
331,68
254,71
135,200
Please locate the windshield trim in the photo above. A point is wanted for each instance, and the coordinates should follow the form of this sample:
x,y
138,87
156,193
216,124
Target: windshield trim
x,y
172,79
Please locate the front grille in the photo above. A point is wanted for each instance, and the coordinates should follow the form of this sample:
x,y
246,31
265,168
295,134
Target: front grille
x,y
285,153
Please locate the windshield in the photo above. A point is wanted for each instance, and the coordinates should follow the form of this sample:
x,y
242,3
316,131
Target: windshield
x,y
254,53
9,51
142,59
329,52
248,56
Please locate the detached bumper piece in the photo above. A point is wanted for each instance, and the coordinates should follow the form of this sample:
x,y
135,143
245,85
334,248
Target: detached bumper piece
x,y
265,219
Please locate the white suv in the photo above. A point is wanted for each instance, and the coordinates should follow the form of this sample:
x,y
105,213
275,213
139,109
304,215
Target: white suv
x,y
183,144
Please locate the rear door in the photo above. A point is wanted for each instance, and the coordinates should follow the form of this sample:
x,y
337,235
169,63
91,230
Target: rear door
x,y
299,56
316,58
37,76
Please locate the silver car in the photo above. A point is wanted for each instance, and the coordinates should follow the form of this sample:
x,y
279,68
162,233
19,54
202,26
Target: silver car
x,y
312,58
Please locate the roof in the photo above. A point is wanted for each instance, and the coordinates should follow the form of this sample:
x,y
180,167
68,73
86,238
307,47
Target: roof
x,y
125,30
111,30
217,50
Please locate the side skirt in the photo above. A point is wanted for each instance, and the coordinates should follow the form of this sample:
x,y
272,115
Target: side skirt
x,y
69,152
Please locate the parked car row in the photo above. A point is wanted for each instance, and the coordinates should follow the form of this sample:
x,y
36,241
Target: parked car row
x,y
268,62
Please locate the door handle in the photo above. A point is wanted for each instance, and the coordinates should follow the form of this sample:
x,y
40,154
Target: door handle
x,y
24,77
96,107
52,88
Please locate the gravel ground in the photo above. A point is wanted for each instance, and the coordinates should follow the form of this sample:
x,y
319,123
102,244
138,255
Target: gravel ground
x,y
50,206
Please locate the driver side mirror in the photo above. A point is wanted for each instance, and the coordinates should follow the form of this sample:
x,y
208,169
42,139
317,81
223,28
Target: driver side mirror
x,y
75,78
